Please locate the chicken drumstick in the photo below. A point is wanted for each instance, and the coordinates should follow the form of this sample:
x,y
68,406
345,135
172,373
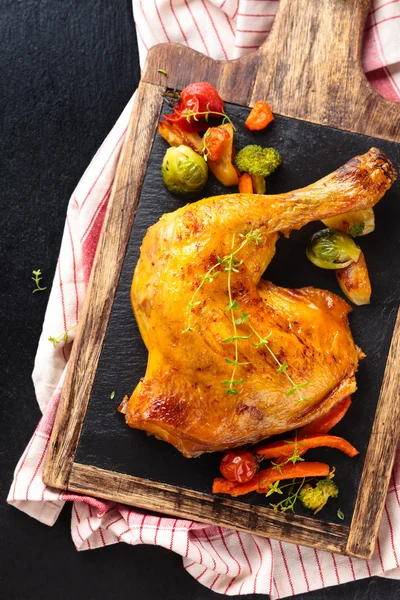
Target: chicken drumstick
x,y
181,310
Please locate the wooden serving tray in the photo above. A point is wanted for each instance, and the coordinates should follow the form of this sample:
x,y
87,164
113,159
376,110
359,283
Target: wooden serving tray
x,y
312,77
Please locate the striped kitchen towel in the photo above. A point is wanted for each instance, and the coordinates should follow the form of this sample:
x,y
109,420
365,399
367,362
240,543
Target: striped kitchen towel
x,y
226,561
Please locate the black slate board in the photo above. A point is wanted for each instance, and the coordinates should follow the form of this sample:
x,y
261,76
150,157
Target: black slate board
x,y
309,152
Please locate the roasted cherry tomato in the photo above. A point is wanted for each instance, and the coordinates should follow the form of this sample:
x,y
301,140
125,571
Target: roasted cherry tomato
x,y
197,98
200,97
188,126
238,465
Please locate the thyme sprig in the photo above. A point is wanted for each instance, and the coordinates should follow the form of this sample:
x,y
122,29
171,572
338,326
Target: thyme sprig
x,y
229,264
37,277
293,458
204,149
289,502
207,278
63,336
282,367
207,114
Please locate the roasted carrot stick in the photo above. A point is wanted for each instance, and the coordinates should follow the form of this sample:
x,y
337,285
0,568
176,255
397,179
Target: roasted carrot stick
x,y
260,483
259,117
285,449
325,423
223,486
302,469
245,184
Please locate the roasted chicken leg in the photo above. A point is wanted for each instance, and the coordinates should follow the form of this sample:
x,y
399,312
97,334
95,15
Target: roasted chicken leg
x,y
181,398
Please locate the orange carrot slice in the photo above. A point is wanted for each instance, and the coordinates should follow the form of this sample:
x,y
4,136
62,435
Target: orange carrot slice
x,y
245,184
285,449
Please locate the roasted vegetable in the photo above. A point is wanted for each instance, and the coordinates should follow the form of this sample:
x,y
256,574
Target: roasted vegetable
x,y
355,283
200,97
358,222
175,136
259,117
316,497
260,482
285,448
197,102
259,163
183,170
238,465
245,184
332,249
223,168
212,146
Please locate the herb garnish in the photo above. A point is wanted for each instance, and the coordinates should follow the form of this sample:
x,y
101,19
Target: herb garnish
x,y
231,263
204,150
340,514
163,72
37,278
207,114
293,458
292,497
228,264
63,336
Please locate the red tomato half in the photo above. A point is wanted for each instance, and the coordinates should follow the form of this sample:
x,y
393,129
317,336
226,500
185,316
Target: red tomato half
x,y
183,123
238,465
200,97
196,98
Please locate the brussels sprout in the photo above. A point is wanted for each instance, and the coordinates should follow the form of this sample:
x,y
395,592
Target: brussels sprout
x,y
183,170
357,222
332,249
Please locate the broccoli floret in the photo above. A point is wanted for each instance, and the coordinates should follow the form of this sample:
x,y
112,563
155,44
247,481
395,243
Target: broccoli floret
x,y
259,163
316,497
256,160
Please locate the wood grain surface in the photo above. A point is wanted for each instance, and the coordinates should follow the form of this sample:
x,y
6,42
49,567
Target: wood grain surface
x,y
154,496
314,73
308,68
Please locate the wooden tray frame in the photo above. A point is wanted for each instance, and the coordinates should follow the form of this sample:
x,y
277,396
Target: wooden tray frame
x,y
307,75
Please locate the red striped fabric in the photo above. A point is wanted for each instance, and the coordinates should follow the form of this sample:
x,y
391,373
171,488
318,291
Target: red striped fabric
x,y
226,561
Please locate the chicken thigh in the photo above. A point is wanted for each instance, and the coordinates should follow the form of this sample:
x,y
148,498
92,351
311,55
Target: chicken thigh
x,y
184,298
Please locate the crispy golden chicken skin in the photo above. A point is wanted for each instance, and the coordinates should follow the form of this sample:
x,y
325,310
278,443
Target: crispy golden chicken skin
x,y
181,399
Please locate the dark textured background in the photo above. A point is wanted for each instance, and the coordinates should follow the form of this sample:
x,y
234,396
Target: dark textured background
x,y
67,69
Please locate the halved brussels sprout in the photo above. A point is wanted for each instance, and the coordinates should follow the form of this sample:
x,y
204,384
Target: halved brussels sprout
x,y
332,249
183,170
357,222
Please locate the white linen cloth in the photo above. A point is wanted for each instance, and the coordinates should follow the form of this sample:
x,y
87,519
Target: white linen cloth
x,y
226,561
